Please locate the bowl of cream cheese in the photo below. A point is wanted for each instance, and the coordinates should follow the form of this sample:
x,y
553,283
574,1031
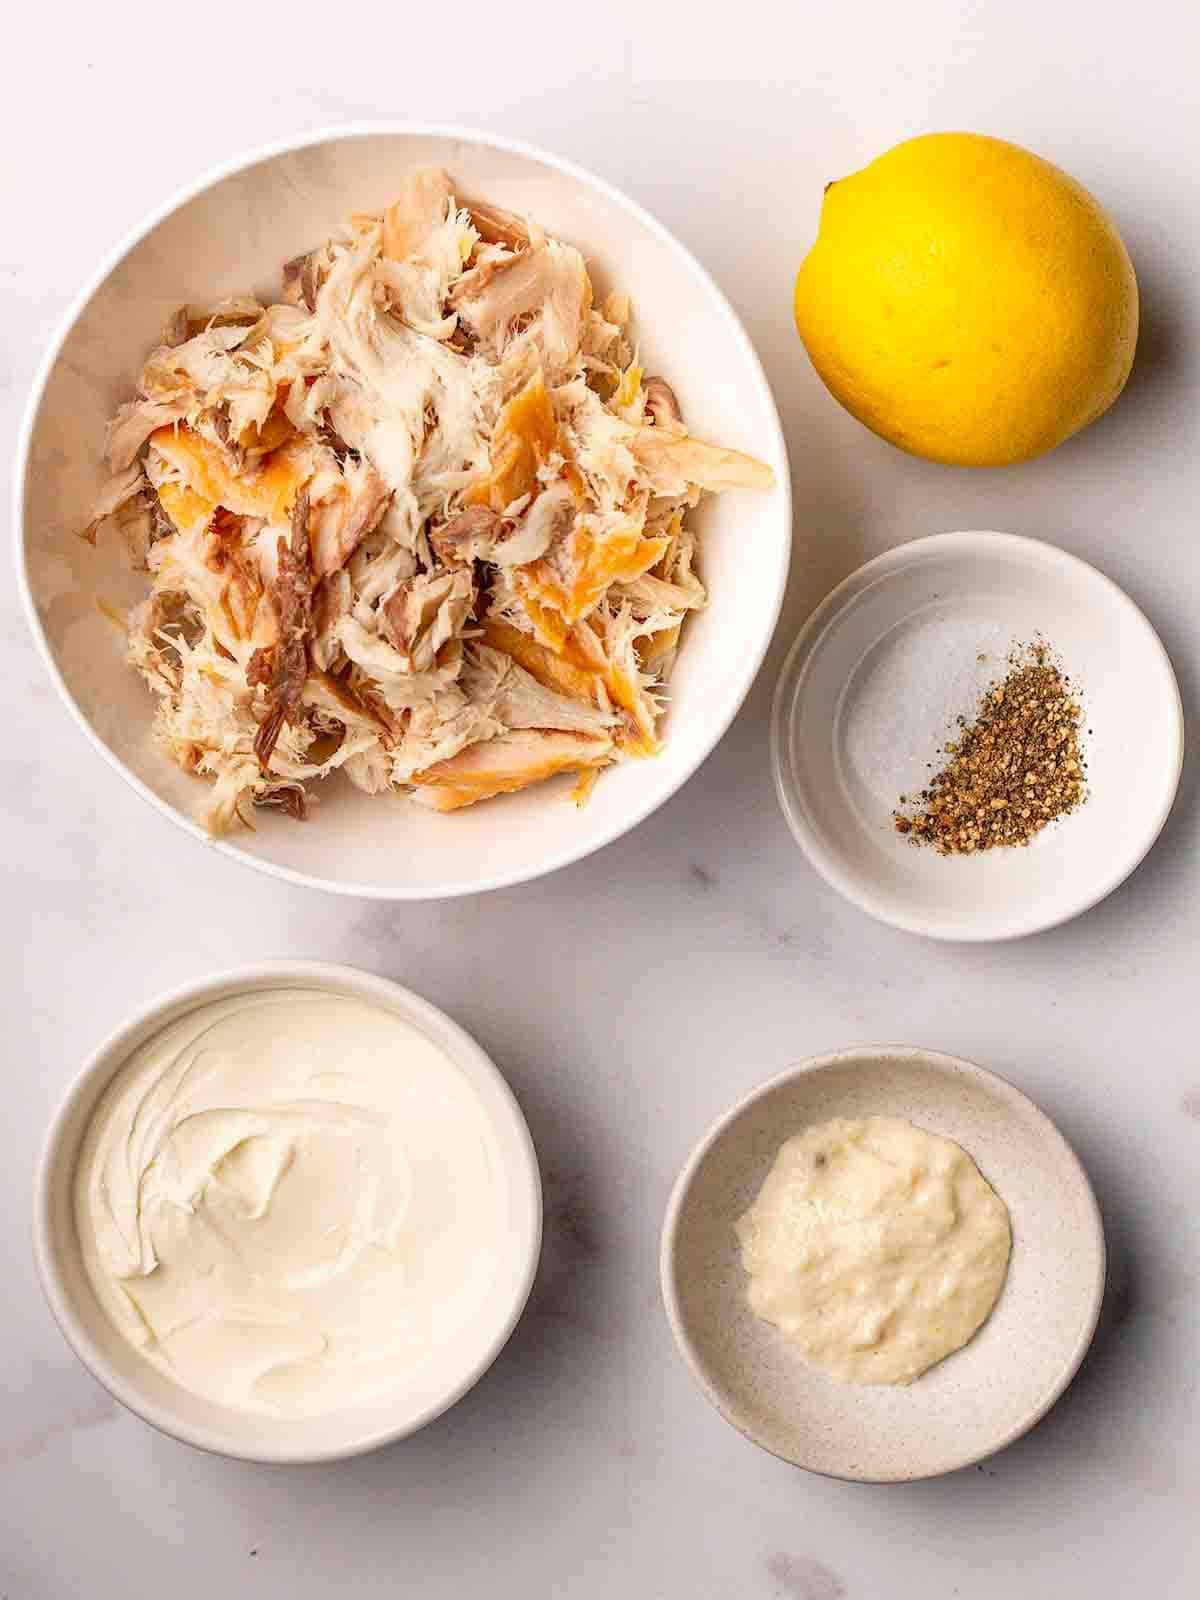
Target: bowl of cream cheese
x,y
289,1213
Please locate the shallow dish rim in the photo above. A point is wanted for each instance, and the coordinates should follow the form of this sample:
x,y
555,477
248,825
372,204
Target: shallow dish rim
x,y
775,447
942,1062
63,1140
808,641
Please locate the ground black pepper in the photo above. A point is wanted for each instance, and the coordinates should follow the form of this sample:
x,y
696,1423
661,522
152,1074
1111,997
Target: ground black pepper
x,y
1012,770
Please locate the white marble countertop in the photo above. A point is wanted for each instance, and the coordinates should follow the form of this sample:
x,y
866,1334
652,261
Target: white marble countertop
x,y
710,955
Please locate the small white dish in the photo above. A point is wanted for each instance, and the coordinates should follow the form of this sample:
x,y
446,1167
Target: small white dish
x,y
870,691
433,1387
973,1403
232,230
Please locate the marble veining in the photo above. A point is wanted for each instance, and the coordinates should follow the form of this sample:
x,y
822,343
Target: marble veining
x,y
635,996
803,1578
70,1400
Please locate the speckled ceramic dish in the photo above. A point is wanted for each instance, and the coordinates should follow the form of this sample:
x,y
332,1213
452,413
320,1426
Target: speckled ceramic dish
x,y
977,1400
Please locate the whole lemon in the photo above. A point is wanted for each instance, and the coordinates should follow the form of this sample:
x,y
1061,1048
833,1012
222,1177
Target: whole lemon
x,y
968,301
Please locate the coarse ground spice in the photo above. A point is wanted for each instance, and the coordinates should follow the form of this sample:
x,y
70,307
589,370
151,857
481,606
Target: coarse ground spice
x,y
1012,770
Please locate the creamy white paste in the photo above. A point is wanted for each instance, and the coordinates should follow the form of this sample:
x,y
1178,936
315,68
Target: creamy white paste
x,y
877,1248
288,1199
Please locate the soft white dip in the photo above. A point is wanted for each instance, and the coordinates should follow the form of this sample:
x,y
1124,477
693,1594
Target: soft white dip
x,y
876,1247
286,1200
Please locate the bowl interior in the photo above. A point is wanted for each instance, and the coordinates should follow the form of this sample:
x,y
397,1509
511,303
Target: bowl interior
x,y
977,1399
235,234
872,689
431,1387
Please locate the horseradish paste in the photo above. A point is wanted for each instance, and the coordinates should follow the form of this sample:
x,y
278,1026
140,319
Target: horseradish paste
x,y
877,1248
287,1199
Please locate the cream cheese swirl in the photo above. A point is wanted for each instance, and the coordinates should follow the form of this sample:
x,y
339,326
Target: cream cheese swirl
x,y
287,1199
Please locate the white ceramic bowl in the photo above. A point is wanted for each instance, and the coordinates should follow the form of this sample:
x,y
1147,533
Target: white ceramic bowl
x,y
432,1388
231,231
973,1403
871,689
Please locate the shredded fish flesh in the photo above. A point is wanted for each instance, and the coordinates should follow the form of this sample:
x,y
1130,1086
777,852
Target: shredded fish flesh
x,y
422,522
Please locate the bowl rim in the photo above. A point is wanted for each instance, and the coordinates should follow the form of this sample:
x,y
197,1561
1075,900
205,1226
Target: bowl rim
x,y
63,1140
768,611
968,543
941,1062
